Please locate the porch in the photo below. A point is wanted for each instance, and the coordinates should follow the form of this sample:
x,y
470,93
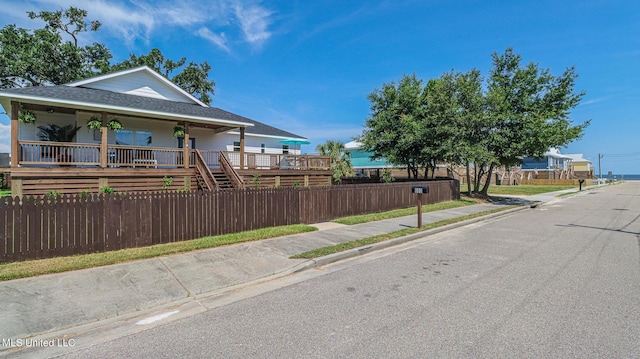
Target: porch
x,y
44,166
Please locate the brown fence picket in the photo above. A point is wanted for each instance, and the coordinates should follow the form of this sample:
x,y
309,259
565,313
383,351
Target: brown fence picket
x,y
40,227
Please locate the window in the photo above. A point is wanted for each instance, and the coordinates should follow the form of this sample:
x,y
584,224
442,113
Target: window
x,y
133,138
285,149
236,146
262,148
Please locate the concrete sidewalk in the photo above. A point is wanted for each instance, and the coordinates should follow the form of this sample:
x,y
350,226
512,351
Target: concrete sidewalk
x,y
45,304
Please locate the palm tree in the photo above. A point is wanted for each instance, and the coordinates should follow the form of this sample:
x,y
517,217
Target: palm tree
x,y
340,159
55,133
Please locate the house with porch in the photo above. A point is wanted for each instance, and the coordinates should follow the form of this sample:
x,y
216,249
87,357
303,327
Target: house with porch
x,y
133,130
582,167
552,165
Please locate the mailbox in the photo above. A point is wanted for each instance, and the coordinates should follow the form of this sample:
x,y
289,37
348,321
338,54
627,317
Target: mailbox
x,y
420,189
581,181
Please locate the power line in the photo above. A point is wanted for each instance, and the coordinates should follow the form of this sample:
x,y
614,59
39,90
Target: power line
x,y
630,154
619,160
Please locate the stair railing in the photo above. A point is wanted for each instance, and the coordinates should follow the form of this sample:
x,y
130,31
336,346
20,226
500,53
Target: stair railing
x,y
205,172
228,169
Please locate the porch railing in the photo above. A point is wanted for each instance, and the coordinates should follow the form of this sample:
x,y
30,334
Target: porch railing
x,y
147,157
46,153
59,153
279,161
212,158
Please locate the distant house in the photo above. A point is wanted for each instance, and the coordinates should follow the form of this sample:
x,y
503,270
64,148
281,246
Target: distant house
x,y
582,167
551,160
362,163
165,132
579,162
556,165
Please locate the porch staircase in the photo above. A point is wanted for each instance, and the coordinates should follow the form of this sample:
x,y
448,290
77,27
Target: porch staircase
x,y
230,173
222,179
206,179
225,177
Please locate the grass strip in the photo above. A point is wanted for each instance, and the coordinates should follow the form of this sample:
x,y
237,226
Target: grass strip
x,y
521,190
32,268
403,212
319,252
526,190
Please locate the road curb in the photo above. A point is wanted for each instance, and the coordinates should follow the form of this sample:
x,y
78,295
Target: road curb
x,y
355,252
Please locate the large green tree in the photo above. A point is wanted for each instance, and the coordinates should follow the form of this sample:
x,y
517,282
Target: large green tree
x,y
527,111
52,55
456,109
395,127
521,112
340,159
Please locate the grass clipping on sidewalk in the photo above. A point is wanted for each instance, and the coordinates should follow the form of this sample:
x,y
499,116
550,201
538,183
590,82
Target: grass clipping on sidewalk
x,y
319,252
33,268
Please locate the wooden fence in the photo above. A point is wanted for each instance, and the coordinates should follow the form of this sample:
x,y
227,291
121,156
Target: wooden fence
x,y
37,227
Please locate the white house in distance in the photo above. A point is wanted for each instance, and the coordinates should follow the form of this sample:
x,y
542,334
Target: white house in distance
x,y
150,109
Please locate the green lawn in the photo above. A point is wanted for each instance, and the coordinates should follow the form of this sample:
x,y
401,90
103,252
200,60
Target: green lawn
x,y
5,192
521,190
402,212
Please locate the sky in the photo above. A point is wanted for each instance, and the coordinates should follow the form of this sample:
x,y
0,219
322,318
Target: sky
x,y
307,66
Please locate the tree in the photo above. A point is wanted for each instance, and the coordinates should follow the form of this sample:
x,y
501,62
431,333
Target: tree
x,y
340,159
455,104
439,132
522,112
527,111
394,128
43,56
55,133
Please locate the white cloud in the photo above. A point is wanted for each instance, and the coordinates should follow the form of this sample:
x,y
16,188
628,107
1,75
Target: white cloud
x,y
595,100
218,40
136,20
254,21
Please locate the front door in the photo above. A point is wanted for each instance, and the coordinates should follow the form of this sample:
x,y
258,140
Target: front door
x,y
192,143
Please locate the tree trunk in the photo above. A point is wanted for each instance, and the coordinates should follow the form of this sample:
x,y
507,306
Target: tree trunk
x,y
468,180
476,178
485,189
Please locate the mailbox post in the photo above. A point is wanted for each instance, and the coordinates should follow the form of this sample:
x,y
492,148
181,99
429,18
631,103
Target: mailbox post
x,y
420,190
581,181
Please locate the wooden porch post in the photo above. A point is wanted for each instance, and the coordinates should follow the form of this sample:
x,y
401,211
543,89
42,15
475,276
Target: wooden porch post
x,y
103,142
15,149
185,148
241,148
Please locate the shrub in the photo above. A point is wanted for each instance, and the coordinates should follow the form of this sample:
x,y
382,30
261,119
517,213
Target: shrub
x,y
106,189
166,182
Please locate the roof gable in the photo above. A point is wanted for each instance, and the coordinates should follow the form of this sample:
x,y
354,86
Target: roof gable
x,y
139,81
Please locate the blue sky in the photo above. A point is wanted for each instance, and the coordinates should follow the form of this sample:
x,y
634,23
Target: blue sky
x,y
307,66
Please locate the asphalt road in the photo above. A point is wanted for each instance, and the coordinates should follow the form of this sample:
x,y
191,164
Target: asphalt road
x,y
562,281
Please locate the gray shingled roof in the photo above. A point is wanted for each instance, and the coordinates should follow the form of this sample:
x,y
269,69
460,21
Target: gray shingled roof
x,y
133,102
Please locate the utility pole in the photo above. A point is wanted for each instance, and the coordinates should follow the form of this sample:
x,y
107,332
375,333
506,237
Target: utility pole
x,y
599,167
